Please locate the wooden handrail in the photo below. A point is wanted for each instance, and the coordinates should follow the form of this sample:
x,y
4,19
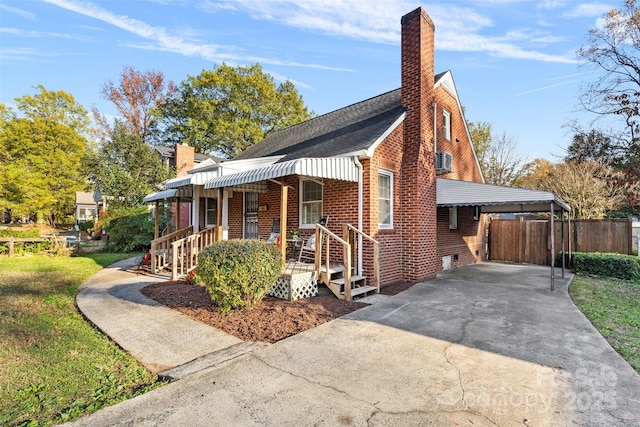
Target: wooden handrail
x,y
366,236
161,248
346,252
185,251
348,228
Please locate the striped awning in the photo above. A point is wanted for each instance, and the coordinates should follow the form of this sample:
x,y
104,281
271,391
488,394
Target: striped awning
x,y
340,168
183,193
198,178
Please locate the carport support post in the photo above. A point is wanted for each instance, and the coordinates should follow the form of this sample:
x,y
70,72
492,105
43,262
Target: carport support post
x,y
562,237
553,251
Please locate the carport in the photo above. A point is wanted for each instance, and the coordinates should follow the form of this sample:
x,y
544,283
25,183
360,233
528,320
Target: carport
x,y
500,199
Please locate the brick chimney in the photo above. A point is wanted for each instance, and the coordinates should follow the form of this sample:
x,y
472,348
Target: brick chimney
x,y
418,195
184,157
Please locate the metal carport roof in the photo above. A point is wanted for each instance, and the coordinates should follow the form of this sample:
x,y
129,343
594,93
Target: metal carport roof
x,y
495,198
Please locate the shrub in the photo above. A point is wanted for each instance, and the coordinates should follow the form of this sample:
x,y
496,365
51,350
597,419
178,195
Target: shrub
x,y
87,225
20,233
130,229
607,265
238,273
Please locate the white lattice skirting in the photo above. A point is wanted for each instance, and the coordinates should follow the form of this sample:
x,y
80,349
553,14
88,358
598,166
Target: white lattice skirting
x,y
295,287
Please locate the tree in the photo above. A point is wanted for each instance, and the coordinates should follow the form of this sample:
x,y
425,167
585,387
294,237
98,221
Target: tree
x,y
481,137
136,96
125,168
594,146
226,110
613,49
499,158
41,155
590,188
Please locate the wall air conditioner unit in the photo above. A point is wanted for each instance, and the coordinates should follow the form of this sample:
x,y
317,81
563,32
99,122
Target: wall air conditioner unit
x,y
444,162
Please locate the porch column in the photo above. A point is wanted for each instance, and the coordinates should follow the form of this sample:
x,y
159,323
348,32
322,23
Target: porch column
x,y
283,224
177,213
219,214
195,210
156,230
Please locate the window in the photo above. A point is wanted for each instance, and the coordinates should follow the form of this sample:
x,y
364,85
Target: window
x,y
476,213
453,218
212,212
310,203
446,124
385,199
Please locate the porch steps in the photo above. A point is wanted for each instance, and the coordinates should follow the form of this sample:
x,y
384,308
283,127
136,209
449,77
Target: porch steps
x,y
334,279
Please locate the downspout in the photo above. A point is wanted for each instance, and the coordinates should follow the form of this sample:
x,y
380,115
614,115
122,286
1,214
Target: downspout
x,y
360,202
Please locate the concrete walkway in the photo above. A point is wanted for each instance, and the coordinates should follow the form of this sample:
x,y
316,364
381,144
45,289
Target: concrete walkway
x,y
162,339
483,345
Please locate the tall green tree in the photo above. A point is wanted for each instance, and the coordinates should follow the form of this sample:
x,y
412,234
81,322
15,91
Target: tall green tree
x,y
41,154
125,169
225,110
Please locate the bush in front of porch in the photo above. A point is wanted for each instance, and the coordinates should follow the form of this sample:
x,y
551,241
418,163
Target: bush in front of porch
x,y
238,273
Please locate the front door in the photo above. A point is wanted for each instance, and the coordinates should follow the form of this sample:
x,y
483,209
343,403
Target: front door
x,y
250,215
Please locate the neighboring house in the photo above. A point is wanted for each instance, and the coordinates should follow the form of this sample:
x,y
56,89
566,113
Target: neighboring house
x,y
182,158
400,167
85,207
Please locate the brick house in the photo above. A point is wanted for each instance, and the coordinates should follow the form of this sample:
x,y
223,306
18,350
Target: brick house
x,y
378,165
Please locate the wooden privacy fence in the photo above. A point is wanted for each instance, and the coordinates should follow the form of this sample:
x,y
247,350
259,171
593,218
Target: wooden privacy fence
x,y
529,242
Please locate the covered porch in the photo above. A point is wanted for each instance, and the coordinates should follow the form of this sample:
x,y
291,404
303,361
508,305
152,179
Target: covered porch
x,y
248,204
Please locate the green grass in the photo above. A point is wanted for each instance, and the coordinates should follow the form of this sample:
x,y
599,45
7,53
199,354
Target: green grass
x,y
55,366
613,306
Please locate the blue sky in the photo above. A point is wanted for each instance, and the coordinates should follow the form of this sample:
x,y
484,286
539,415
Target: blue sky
x,y
513,61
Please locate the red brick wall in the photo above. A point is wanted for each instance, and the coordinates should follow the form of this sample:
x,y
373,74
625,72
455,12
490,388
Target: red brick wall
x,y
235,219
184,159
418,188
465,167
466,241
387,156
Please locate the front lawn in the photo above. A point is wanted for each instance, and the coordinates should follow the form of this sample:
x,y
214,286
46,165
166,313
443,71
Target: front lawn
x,y
55,365
613,306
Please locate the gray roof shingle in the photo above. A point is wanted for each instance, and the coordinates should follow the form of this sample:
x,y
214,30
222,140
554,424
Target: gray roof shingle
x,y
339,132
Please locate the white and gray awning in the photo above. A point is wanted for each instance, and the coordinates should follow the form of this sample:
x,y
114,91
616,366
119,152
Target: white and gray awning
x,y
183,193
495,198
340,168
198,178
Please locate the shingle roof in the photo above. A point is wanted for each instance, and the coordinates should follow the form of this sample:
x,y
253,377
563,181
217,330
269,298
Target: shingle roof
x,y
170,152
339,132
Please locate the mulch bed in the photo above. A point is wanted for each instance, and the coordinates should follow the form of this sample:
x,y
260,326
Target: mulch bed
x,y
272,320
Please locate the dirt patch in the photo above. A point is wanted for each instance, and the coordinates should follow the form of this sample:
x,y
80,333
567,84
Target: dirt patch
x,y
272,320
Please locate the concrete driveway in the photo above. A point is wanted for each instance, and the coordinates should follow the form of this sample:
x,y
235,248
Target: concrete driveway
x,y
482,345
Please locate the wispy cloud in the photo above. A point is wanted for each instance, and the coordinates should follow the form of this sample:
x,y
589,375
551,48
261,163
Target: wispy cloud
x,y
16,11
458,28
34,33
588,10
160,39
557,81
22,54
